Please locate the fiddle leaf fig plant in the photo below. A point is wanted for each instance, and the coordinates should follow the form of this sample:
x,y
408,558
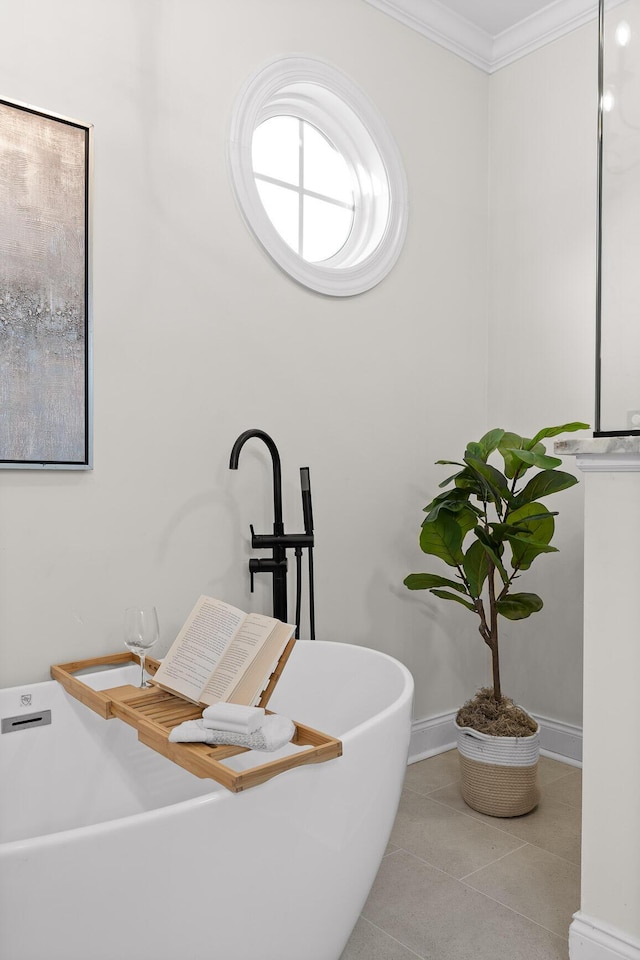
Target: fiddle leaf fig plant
x,y
489,525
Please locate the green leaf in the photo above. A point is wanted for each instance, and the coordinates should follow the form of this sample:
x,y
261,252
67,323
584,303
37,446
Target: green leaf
x,y
467,481
452,596
535,519
534,529
519,606
554,431
509,445
525,551
452,500
543,485
445,483
494,481
491,549
533,459
541,514
490,442
502,531
510,442
425,581
467,519
497,562
474,450
476,567
537,545
442,537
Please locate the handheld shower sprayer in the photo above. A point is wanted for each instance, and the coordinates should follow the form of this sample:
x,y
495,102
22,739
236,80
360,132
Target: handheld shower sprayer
x,y
307,510
307,515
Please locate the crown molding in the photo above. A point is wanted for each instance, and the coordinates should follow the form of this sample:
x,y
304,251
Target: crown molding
x,y
443,26
477,46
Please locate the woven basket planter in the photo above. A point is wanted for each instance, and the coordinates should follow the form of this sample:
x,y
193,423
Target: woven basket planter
x,y
499,774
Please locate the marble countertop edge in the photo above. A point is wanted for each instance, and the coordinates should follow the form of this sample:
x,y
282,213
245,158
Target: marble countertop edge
x,y
598,446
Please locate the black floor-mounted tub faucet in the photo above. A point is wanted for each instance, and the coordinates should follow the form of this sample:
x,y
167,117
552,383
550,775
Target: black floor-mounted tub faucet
x,y
278,541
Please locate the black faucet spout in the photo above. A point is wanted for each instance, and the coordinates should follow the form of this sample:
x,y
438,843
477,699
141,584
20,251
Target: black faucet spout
x,y
277,565
278,527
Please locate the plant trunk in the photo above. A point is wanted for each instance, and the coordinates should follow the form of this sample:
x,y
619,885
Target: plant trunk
x,y
495,663
493,638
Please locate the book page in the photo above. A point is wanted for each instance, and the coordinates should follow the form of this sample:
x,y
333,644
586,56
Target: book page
x,y
199,646
250,638
250,686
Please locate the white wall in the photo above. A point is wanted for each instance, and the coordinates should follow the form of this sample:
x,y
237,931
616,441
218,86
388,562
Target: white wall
x,y
198,336
541,326
611,836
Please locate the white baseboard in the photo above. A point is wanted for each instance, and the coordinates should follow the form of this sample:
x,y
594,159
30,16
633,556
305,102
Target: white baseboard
x,y
592,940
433,735
561,740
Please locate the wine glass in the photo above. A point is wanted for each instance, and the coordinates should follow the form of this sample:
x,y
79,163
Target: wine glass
x,y
141,631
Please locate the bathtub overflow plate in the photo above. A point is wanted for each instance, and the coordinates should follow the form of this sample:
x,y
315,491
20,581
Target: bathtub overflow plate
x,y
26,721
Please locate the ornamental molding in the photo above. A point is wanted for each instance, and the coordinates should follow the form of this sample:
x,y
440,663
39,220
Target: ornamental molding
x,y
489,53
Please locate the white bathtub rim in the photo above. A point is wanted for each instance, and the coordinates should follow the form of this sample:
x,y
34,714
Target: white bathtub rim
x,y
218,792
405,693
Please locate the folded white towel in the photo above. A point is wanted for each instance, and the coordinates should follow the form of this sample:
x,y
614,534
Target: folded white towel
x,y
232,727
234,717
273,733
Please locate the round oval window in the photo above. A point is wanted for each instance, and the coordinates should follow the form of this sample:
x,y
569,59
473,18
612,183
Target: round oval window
x,y
318,177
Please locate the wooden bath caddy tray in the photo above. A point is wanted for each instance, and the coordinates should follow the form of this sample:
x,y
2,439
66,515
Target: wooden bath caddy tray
x,y
154,712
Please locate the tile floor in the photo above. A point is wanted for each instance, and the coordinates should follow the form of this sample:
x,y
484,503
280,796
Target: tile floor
x,y
457,885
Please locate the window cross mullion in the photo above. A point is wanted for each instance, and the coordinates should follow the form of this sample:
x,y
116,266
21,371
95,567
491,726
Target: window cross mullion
x,y
307,193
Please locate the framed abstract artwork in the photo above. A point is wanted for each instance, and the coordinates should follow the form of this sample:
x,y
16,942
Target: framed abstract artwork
x,y
45,290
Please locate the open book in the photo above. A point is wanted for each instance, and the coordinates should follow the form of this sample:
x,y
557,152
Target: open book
x,y
222,653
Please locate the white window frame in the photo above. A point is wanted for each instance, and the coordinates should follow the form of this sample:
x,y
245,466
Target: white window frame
x,y
319,93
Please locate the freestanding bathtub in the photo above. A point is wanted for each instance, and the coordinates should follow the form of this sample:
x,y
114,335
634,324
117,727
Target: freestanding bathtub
x,y
111,852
